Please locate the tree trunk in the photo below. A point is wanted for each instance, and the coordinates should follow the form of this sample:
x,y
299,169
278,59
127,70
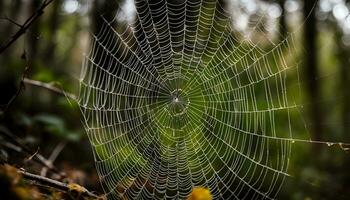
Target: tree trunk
x,y
283,29
311,71
52,29
32,38
102,8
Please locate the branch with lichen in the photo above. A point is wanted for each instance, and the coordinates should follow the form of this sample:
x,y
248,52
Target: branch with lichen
x,y
15,183
73,189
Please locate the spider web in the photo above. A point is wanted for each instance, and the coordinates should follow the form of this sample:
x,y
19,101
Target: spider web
x,y
179,99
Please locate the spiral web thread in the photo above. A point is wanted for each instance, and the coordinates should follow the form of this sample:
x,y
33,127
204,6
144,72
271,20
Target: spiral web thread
x,y
179,100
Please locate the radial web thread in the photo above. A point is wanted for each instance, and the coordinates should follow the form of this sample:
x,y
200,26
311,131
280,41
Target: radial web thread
x,y
179,99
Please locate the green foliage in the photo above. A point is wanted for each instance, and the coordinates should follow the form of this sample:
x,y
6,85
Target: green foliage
x,y
55,125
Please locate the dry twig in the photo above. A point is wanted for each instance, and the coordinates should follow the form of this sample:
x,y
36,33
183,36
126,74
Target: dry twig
x,y
64,187
17,145
26,25
53,156
48,86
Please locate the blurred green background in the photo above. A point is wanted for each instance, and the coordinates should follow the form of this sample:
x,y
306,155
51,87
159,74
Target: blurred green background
x,y
51,51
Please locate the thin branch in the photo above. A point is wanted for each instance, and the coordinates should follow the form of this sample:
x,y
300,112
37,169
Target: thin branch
x,y
36,83
21,86
58,149
12,21
49,87
43,180
26,25
64,187
20,147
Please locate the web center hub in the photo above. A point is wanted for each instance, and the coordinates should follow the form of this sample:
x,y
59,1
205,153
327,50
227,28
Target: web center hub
x,y
179,103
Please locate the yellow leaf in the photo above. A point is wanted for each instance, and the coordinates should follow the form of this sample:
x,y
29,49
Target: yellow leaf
x,y
200,193
10,173
73,187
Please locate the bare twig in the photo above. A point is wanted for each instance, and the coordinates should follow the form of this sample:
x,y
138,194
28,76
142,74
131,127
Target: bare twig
x,y
32,156
21,86
49,87
19,146
26,25
12,21
53,156
64,187
43,180
36,83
